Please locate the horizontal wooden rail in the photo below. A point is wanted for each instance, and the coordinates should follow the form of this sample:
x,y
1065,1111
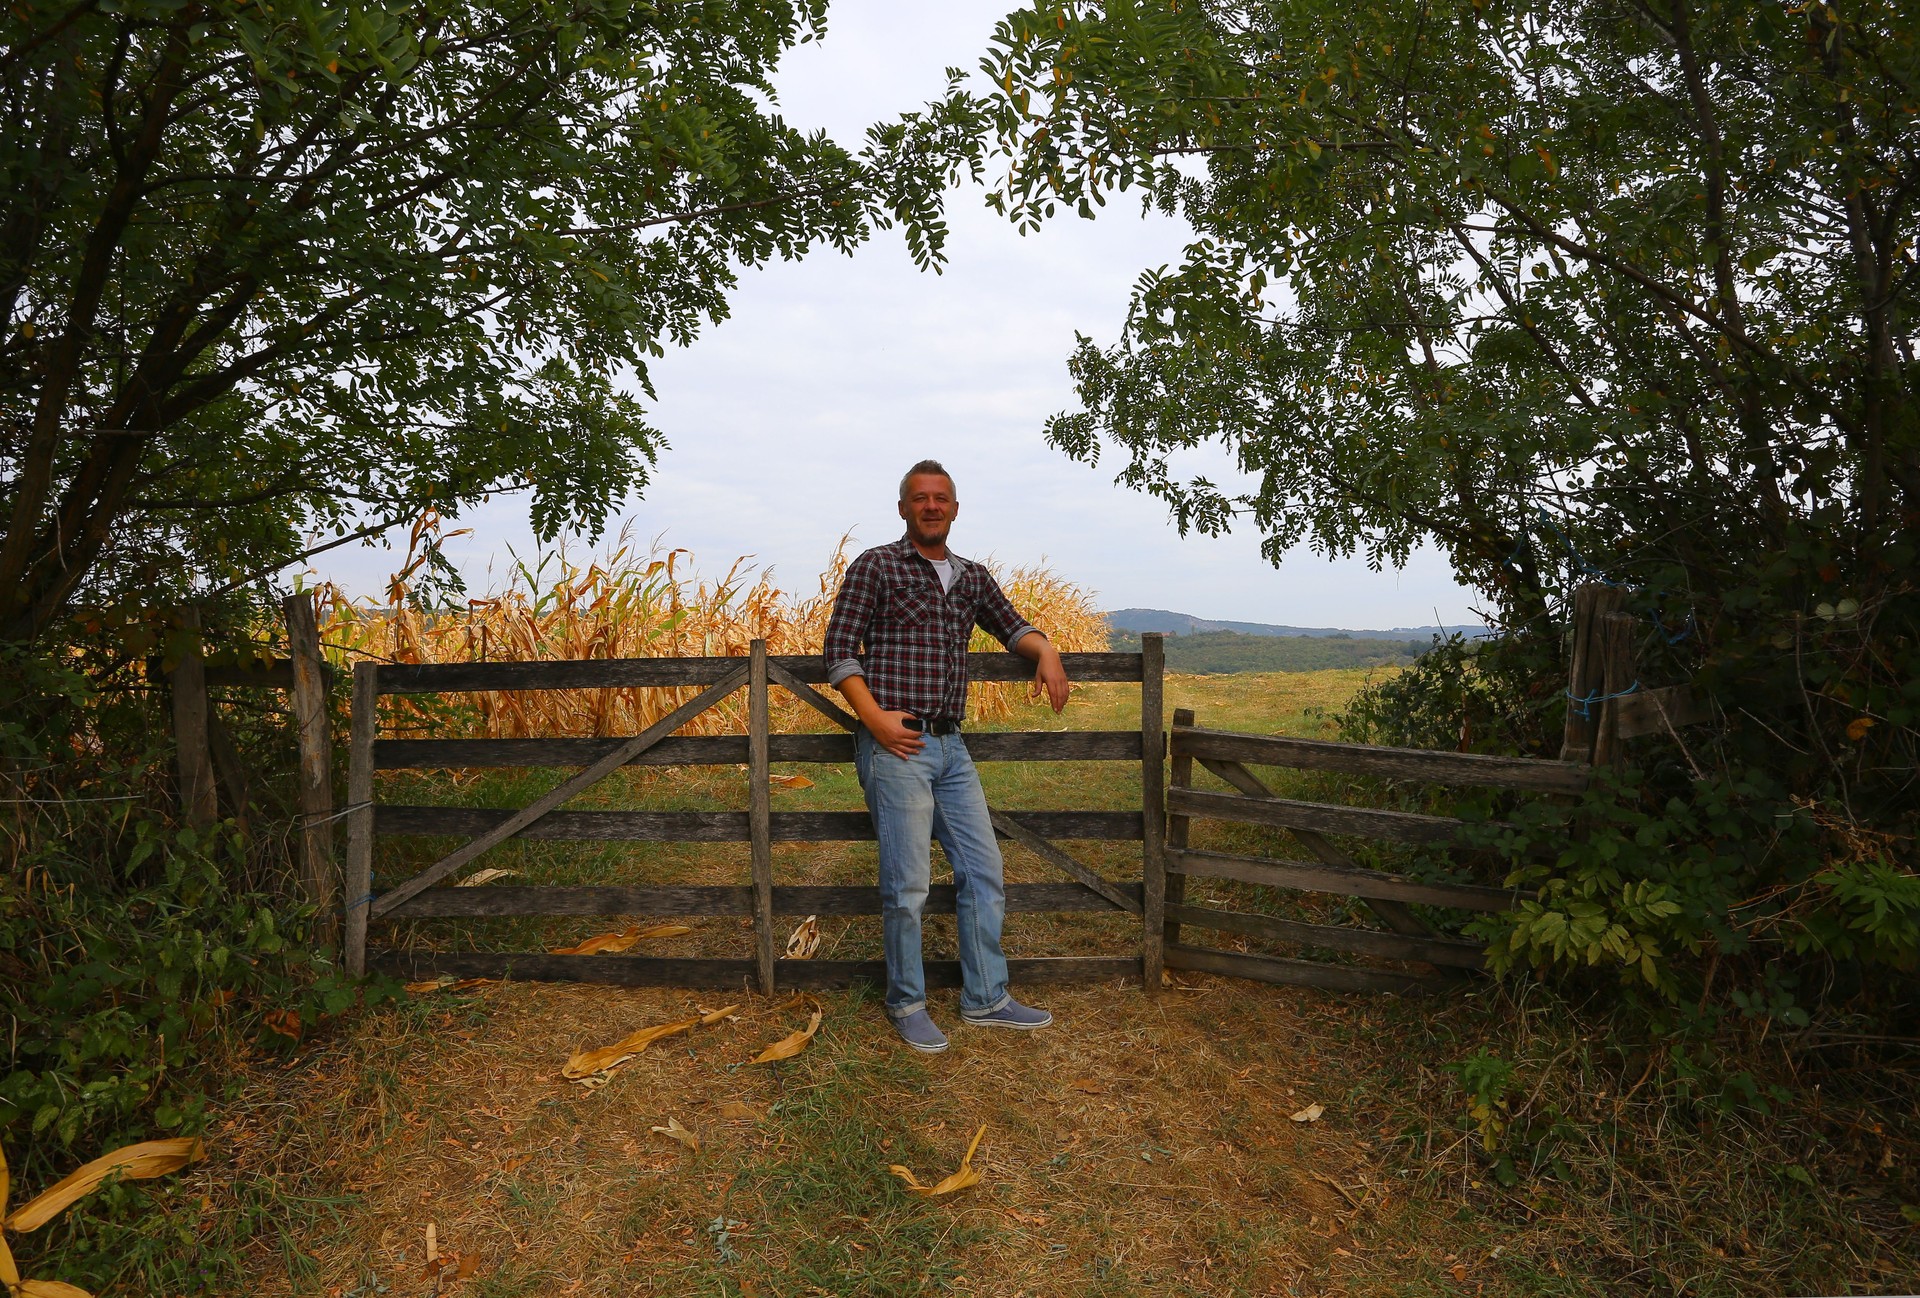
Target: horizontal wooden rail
x,y
720,826
724,899
655,971
1296,973
1360,941
1321,817
630,673
1344,880
731,750
1433,767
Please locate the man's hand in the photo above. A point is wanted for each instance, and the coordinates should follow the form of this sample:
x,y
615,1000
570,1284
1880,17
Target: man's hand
x,y
890,732
1049,674
885,727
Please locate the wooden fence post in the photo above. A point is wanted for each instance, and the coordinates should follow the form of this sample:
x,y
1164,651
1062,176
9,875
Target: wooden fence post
x,y
1617,676
1586,674
1153,807
314,737
1178,828
760,814
359,880
199,805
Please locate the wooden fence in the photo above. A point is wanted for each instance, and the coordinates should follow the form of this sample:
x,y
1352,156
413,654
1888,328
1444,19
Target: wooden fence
x,y
1389,896
758,825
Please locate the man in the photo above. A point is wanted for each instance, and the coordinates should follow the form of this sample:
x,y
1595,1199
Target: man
x,y
913,606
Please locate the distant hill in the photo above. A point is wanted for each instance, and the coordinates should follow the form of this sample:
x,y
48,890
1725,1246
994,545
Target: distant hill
x,y
1209,652
1137,620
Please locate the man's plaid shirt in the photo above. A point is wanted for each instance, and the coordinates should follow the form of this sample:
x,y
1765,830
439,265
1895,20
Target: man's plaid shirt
x,y
915,638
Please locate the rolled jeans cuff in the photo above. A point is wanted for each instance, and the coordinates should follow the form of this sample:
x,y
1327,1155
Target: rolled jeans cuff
x,y
914,1009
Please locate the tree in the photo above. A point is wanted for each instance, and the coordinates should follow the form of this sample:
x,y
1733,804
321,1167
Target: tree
x,y
1622,287
321,265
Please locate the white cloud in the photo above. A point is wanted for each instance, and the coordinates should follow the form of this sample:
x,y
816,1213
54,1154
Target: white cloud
x,y
790,423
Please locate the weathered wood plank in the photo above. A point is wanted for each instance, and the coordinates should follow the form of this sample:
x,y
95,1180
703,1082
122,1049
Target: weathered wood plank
x,y
657,971
360,815
313,737
1344,880
721,826
1153,802
1008,826
199,803
1322,817
1388,946
759,812
1297,973
724,899
633,673
1431,767
813,698
1651,712
579,783
1180,776
731,750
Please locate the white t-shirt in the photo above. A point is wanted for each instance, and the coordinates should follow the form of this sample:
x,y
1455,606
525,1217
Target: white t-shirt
x,y
944,567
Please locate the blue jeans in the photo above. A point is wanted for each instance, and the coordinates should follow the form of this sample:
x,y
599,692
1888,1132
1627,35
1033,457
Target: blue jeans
x,y
935,794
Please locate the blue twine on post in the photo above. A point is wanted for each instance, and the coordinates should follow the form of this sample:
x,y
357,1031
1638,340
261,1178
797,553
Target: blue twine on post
x,y
1583,703
364,901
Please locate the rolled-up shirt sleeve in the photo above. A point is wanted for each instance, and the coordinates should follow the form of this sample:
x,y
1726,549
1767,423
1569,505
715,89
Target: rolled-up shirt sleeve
x,y
999,619
852,614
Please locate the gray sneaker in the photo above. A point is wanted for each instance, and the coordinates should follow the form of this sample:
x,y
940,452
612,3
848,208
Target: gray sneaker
x,y
1011,1015
918,1031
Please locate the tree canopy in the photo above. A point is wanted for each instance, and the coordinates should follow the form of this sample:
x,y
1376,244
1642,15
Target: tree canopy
x,y
1613,288
276,269
1646,266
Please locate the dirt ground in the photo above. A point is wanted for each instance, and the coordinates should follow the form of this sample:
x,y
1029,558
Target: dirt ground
x,y
1138,1145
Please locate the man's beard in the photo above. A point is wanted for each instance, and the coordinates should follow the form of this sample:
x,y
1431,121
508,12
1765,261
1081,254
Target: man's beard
x,y
915,530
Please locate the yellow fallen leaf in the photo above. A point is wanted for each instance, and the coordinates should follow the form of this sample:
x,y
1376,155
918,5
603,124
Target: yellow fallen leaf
x,y
790,781
610,943
1310,1114
431,985
49,1289
674,1131
789,1046
1858,727
588,1062
139,1162
487,875
9,1273
804,940
960,1180
739,1111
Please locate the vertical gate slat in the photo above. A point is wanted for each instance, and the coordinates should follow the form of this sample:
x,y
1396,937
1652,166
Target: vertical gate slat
x,y
199,806
760,814
315,742
1178,828
1153,805
359,880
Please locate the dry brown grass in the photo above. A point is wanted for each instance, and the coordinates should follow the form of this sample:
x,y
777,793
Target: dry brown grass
x,y
633,604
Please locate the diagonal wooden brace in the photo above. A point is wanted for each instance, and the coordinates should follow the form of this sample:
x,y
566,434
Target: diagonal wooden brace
x,y
1052,855
612,762
812,698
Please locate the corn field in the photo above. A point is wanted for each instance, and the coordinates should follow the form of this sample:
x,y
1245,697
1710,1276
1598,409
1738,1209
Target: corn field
x,y
633,604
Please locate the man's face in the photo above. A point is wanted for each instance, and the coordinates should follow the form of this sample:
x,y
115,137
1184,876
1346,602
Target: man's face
x,y
929,508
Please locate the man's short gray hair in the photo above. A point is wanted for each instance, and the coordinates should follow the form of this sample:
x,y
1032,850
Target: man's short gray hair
x,y
926,466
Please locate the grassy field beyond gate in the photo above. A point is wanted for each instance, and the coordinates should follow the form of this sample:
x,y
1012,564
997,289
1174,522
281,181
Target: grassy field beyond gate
x,y
1225,1138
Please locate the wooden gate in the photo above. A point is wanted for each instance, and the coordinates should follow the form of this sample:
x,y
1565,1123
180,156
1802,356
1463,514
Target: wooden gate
x,y
758,897
1388,896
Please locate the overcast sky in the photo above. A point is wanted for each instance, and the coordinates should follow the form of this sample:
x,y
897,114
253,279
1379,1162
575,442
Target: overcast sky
x,y
790,423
